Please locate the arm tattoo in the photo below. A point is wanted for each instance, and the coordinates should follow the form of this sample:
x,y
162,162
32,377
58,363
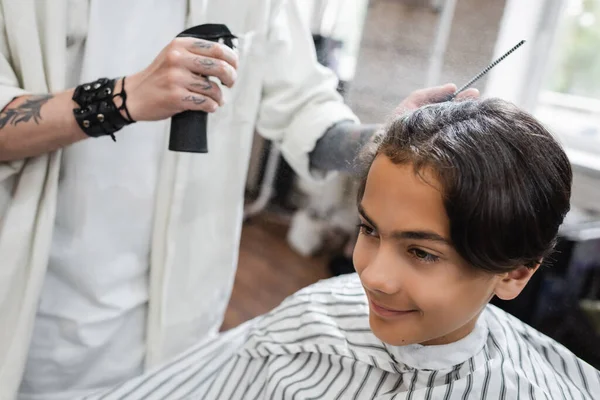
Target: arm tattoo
x,y
31,108
194,99
339,146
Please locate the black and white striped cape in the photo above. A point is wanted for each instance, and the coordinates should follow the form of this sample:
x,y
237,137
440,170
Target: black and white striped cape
x,y
317,345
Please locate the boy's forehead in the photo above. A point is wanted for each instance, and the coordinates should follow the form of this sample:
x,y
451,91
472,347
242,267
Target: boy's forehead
x,y
398,196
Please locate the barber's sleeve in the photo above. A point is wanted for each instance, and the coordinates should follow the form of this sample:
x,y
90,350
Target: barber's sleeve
x,y
9,89
300,99
9,84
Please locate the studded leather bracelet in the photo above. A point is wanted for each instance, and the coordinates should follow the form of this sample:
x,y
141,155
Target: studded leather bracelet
x,y
97,114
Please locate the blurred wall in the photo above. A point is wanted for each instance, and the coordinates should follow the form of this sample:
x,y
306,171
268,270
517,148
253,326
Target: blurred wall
x,y
397,41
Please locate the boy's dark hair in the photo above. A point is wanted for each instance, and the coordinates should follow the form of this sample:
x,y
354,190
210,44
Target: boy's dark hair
x,y
506,182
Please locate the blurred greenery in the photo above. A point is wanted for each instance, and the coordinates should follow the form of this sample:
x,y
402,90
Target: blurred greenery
x,y
576,67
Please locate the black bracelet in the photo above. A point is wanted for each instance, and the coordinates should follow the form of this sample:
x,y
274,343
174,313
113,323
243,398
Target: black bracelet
x,y
97,114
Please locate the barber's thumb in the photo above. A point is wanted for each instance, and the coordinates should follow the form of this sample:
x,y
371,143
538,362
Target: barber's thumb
x,y
448,87
442,93
470,93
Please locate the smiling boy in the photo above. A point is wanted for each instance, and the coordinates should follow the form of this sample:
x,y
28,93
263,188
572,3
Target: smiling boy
x,y
460,202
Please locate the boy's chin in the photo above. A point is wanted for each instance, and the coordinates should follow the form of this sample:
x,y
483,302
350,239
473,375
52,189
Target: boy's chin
x,y
390,333
404,333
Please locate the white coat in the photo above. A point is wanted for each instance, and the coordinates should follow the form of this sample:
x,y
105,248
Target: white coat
x,y
281,91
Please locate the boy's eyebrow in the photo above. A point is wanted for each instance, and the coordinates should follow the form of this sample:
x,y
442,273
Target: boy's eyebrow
x,y
416,235
421,235
363,214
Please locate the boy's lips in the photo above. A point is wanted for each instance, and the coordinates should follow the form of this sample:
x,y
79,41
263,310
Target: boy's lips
x,y
387,312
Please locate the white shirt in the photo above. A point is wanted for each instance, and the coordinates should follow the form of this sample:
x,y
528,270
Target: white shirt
x,y
318,345
91,324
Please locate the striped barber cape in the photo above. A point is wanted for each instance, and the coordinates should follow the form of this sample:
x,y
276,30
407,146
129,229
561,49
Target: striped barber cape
x,y
317,345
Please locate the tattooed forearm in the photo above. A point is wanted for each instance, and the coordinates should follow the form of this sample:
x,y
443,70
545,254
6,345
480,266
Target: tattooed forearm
x,y
194,99
338,148
30,109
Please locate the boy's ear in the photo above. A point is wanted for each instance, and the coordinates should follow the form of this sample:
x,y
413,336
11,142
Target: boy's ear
x,y
513,282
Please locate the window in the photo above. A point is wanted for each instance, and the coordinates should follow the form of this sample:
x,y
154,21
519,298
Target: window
x,y
569,99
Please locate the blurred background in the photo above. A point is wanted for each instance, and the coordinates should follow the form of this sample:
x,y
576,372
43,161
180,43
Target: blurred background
x,y
295,234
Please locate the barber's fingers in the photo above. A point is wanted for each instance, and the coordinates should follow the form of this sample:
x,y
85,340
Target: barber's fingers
x,y
442,93
421,97
470,93
207,66
197,102
210,49
204,86
437,94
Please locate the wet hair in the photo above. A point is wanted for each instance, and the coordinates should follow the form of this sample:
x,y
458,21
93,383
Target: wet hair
x,y
506,182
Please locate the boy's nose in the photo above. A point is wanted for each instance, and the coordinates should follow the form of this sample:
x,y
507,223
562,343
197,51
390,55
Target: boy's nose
x,y
381,275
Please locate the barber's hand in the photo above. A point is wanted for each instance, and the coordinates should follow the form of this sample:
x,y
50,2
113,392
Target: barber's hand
x,y
432,95
177,80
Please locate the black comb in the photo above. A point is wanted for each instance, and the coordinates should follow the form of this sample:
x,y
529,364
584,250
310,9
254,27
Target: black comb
x,y
485,71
